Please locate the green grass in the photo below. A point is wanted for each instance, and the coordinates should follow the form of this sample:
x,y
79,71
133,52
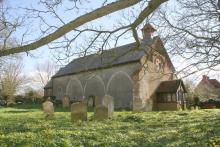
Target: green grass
x,y
28,127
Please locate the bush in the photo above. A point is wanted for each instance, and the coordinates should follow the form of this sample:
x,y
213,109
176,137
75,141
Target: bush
x,y
11,104
210,104
28,100
3,100
52,98
193,102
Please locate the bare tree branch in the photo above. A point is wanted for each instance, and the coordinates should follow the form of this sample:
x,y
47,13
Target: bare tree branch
x,y
98,13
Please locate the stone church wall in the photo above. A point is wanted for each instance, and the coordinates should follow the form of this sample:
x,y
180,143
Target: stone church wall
x,y
114,81
147,79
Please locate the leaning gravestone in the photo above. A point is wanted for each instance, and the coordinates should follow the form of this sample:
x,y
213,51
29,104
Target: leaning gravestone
x,y
48,109
79,111
66,102
108,101
101,112
137,105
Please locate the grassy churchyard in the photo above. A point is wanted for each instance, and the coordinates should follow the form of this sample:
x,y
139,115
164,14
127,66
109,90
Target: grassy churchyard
x,y
28,127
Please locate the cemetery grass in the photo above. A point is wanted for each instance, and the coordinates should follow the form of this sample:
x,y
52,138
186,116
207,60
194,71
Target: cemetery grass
x,y
28,127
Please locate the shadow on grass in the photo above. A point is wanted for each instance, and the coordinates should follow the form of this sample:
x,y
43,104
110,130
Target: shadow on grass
x,y
192,133
27,106
57,107
14,111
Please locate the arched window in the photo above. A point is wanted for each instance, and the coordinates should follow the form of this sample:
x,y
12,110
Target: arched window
x,y
59,93
74,90
120,87
94,87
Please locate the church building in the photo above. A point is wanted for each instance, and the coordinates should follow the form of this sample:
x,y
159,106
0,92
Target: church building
x,y
126,73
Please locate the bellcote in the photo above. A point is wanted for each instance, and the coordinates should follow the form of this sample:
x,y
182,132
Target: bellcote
x,y
148,31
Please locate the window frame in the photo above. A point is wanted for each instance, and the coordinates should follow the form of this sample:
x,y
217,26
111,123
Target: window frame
x,y
163,98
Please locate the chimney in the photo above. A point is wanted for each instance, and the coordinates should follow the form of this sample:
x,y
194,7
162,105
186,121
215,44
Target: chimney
x,y
148,31
204,77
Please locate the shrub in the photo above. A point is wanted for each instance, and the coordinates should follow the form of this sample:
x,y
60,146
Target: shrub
x,y
11,104
2,102
210,104
193,102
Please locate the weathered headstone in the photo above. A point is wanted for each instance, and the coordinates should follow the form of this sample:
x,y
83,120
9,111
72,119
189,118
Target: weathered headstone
x,y
148,105
138,105
108,101
79,111
98,101
48,109
101,112
66,102
91,101
179,107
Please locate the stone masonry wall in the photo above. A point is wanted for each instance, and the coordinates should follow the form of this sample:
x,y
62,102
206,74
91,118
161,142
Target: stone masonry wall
x,y
115,81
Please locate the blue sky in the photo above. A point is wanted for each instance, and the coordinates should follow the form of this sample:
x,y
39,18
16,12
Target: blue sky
x,y
44,54
38,56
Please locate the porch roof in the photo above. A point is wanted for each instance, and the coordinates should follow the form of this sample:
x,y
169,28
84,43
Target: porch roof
x,y
170,86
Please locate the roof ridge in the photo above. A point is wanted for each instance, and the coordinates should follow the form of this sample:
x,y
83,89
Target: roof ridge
x,y
123,54
214,82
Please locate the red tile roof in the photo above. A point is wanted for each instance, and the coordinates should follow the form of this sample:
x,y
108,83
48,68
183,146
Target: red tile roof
x,y
213,82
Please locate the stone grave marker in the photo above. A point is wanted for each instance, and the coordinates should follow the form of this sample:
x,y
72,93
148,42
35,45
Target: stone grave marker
x,y
79,111
108,101
91,101
137,105
66,102
98,101
101,112
48,108
148,105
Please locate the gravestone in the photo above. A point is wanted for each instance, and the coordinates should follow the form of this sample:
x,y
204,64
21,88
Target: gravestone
x,y
79,111
148,105
48,108
101,112
66,102
91,101
108,101
98,101
179,106
138,105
